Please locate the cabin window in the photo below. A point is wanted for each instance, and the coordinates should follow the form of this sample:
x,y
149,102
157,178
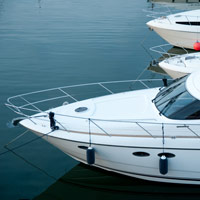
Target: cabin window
x,y
175,102
189,23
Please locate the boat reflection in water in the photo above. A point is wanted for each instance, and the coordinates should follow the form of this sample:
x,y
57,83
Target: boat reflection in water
x,y
85,182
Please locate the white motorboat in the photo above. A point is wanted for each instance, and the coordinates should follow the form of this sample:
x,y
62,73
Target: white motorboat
x,y
181,29
151,133
181,65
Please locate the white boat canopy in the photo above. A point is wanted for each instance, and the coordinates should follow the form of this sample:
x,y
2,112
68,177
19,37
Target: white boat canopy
x,y
193,84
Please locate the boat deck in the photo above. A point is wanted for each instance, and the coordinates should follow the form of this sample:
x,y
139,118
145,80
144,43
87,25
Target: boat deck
x,y
35,107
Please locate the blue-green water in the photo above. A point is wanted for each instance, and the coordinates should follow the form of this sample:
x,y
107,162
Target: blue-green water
x,y
83,182
46,43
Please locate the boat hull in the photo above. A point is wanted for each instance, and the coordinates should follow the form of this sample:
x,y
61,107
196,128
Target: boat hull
x,y
173,71
120,159
183,39
179,66
127,132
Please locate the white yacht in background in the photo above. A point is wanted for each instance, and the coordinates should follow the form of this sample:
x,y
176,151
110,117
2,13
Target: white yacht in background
x,y
181,29
181,65
151,133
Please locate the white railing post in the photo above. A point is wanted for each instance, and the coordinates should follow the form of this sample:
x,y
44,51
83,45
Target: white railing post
x,y
106,88
99,127
144,129
90,139
163,136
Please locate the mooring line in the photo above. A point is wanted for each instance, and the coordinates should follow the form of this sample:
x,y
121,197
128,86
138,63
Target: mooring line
x,y
16,138
30,163
21,157
28,142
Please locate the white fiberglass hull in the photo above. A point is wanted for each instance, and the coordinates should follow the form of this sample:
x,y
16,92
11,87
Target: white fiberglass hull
x,y
173,71
183,168
183,39
180,29
128,135
181,65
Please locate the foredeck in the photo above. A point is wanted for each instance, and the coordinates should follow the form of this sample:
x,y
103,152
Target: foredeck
x,y
33,105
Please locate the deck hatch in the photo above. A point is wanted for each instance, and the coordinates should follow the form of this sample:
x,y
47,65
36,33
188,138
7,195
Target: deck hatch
x,y
81,109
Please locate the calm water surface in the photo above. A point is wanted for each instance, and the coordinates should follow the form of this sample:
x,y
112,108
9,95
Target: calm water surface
x,y
46,43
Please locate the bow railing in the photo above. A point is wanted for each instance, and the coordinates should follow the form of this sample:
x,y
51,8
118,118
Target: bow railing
x,y
41,101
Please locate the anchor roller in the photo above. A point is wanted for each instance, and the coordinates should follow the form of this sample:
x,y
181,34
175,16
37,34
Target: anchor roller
x,y
16,121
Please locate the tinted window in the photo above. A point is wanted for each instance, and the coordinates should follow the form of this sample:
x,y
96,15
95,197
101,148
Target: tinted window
x,y
175,102
189,23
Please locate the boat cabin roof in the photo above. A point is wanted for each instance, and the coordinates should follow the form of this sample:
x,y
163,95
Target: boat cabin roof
x,y
193,84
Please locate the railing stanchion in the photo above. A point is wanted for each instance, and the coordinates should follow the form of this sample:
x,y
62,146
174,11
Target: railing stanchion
x,y
99,127
163,137
144,129
89,133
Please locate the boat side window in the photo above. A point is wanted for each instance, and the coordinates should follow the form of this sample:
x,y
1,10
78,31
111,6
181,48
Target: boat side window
x,y
178,104
184,107
170,91
193,23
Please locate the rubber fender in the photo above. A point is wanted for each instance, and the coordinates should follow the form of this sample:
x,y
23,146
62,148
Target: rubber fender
x,y
163,165
90,156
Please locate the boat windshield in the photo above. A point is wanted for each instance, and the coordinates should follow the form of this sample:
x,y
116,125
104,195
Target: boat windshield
x,y
175,102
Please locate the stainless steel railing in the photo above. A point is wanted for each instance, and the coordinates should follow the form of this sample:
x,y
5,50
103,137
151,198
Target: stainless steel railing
x,y
27,106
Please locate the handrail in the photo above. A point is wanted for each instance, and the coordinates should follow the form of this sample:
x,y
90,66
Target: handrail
x,y
20,105
156,12
143,125
160,49
32,107
78,85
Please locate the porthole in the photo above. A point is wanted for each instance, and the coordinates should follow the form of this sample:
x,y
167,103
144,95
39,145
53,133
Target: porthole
x,y
141,154
168,155
83,147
